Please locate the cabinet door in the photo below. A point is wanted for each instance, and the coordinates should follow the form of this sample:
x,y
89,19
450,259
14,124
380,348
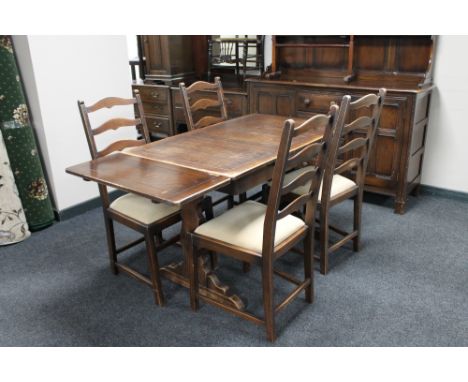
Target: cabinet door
x,y
272,100
155,49
385,156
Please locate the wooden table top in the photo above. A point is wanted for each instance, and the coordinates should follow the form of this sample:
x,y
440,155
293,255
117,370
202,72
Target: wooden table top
x,y
184,167
158,181
232,148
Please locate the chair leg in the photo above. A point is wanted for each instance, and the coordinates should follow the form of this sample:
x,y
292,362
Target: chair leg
x,y
153,265
242,197
323,242
357,221
309,265
245,264
159,238
193,273
230,202
207,207
265,190
111,244
268,303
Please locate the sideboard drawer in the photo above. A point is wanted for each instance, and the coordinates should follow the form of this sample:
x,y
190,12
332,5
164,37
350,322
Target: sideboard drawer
x,y
316,102
153,94
159,125
156,108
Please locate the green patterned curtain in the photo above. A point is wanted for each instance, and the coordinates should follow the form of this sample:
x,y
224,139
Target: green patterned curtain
x,y
20,142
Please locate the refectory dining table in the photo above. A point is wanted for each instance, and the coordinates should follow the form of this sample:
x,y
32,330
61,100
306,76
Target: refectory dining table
x,y
232,156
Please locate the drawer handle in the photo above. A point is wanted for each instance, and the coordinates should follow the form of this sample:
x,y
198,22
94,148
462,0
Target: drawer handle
x,y
306,101
157,125
157,107
228,102
155,94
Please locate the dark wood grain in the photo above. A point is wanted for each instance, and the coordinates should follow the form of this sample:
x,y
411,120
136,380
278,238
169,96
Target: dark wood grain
x,y
158,181
231,148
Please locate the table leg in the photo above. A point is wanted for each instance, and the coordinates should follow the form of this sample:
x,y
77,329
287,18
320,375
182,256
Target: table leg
x,y
209,284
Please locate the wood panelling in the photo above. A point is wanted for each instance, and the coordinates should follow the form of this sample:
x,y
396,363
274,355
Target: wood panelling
x,y
391,161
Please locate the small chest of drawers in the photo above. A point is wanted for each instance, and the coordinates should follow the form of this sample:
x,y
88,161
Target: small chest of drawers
x,y
156,100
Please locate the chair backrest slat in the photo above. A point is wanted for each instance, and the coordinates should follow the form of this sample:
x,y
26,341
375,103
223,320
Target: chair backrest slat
x,y
110,102
207,121
115,123
360,123
293,206
201,86
316,152
352,145
194,103
304,155
348,165
365,101
203,104
298,181
119,146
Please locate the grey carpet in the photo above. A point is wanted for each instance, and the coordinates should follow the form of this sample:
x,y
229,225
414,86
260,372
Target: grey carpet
x,y
406,287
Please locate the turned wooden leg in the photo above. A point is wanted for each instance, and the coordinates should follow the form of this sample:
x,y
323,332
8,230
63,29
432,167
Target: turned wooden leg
x,y
153,266
268,303
111,244
357,201
400,206
309,265
323,242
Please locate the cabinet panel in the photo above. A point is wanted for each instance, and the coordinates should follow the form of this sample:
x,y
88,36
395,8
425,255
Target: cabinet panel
x,y
268,100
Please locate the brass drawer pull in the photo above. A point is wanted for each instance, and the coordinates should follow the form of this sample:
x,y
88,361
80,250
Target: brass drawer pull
x,y
157,125
155,94
306,101
228,101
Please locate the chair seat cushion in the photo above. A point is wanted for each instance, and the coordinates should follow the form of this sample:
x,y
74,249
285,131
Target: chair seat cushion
x,y
242,226
142,209
340,184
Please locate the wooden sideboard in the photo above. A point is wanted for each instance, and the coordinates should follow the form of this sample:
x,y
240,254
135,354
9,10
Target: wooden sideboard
x,y
310,72
395,164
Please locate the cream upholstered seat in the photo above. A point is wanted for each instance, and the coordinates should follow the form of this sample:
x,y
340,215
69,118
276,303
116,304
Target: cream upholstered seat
x,y
340,184
242,226
142,209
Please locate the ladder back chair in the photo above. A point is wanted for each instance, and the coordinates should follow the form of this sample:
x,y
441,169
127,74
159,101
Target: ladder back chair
x,y
196,107
256,233
347,175
131,210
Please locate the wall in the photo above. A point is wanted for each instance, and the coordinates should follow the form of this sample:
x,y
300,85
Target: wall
x,y
446,153
58,70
